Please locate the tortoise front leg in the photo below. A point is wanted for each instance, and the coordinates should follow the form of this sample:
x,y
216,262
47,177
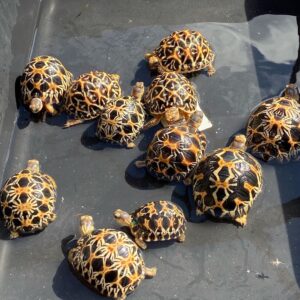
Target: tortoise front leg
x,y
50,109
140,163
44,116
152,122
150,272
210,68
140,243
73,122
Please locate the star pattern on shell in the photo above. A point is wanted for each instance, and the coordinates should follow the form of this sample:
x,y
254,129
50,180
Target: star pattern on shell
x,y
109,262
89,94
273,130
46,78
226,183
184,51
28,202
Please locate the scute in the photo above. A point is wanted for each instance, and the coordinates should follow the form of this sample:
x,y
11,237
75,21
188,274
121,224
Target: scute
x,y
41,73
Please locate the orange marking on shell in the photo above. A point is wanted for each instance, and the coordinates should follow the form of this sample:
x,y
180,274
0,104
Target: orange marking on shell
x,y
202,194
4,204
223,163
249,187
21,190
238,201
222,184
27,206
26,222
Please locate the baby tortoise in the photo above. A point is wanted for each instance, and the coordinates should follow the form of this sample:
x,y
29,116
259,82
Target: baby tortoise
x,y
154,221
108,261
184,51
89,94
170,97
175,150
273,129
122,119
28,201
44,84
226,182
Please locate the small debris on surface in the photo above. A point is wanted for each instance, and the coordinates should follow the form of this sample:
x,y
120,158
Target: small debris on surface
x,y
62,199
276,262
261,275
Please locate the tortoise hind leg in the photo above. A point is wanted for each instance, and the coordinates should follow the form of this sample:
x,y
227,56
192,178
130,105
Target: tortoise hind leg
x,y
181,238
14,235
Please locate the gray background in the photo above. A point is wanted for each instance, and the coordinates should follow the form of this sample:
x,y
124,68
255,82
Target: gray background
x,y
256,49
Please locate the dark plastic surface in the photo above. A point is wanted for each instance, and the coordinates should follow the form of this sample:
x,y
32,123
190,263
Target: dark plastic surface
x,y
254,60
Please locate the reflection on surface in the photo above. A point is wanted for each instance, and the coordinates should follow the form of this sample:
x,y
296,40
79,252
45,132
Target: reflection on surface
x,y
296,67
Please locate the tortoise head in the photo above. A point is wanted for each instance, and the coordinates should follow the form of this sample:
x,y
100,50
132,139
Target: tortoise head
x,y
291,91
152,60
172,115
33,165
86,225
138,91
122,217
36,105
195,120
239,142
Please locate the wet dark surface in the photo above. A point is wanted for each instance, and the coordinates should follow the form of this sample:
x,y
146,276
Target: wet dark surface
x,y
256,55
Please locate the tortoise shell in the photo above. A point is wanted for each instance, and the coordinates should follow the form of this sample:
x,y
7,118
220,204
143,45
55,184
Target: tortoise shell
x,y
46,78
174,152
185,51
89,94
226,183
109,262
170,90
273,130
28,202
121,121
158,221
